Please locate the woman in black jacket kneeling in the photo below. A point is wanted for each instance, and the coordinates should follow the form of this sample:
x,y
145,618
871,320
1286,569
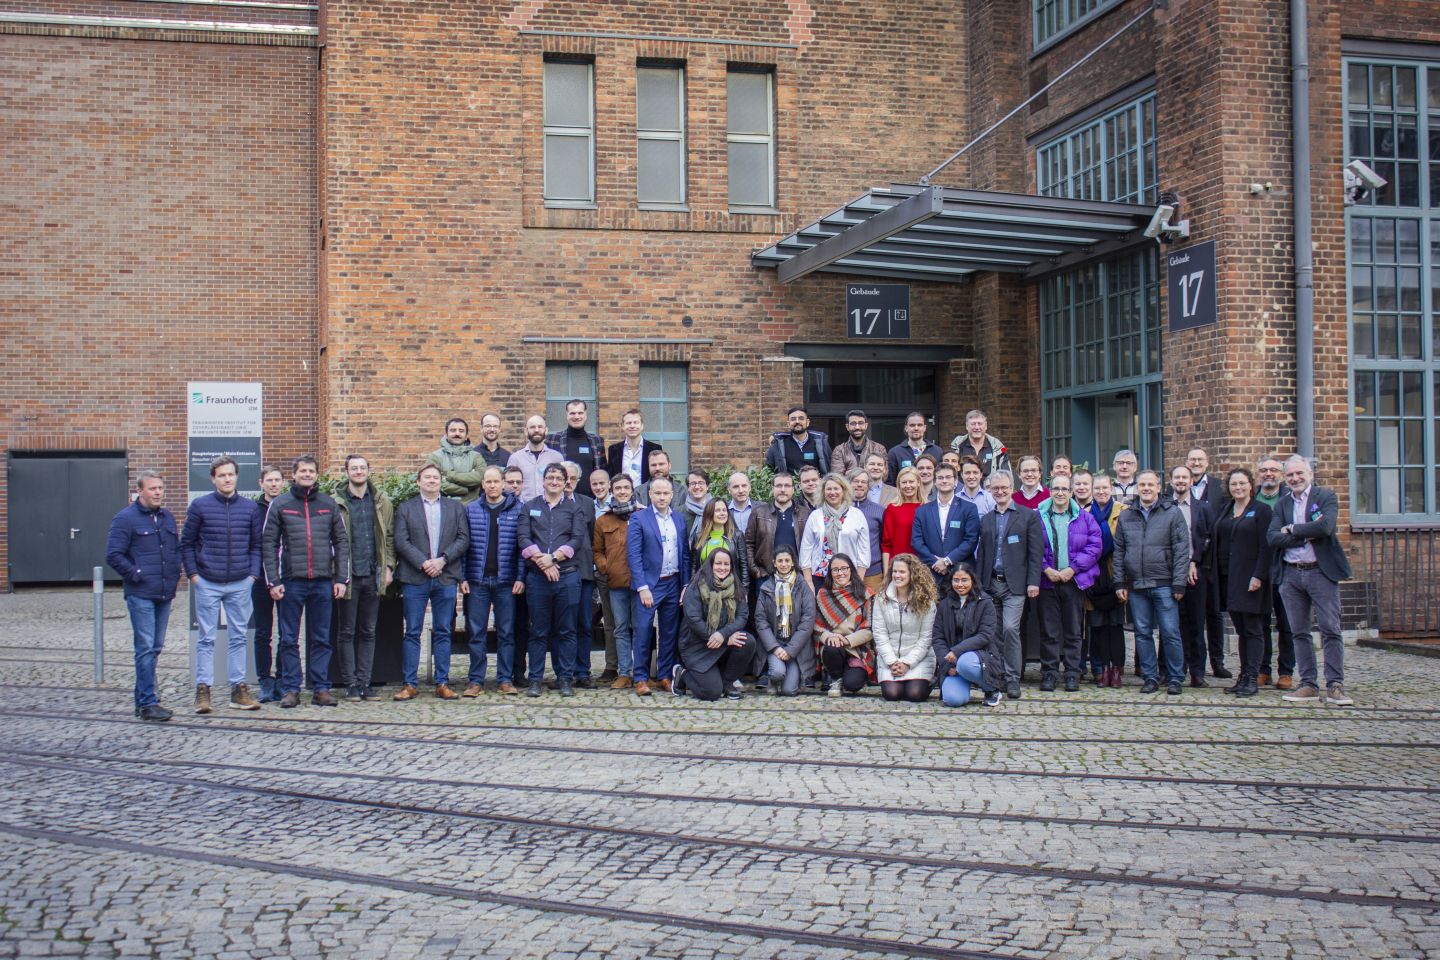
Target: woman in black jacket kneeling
x,y
967,646
715,650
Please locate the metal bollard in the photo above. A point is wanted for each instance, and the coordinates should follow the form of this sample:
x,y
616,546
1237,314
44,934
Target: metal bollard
x,y
98,587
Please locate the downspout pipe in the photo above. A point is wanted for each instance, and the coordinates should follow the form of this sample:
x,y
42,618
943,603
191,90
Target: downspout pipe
x,y
1304,246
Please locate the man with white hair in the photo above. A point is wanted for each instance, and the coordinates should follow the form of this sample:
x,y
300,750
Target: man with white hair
x,y
1309,565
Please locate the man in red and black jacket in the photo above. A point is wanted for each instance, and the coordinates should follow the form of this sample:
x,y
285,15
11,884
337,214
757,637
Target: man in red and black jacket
x,y
306,553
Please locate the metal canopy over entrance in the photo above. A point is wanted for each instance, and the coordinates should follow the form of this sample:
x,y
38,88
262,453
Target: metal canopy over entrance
x,y
945,234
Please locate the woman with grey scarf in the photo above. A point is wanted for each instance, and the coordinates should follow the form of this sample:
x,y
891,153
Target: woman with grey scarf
x,y
837,527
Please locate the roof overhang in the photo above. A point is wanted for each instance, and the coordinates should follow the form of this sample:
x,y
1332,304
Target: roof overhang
x,y
912,232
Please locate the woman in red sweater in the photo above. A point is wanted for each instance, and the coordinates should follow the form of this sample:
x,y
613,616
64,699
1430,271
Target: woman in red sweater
x,y
899,517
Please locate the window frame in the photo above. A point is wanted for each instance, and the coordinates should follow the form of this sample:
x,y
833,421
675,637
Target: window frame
x,y
571,367
768,139
1088,147
1425,214
1064,25
680,135
562,130
679,455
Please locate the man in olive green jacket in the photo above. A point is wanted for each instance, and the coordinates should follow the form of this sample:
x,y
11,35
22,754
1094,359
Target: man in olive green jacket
x,y
369,520
462,467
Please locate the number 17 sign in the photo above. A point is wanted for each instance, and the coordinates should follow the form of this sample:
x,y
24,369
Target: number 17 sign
x,y
1190,286
877,311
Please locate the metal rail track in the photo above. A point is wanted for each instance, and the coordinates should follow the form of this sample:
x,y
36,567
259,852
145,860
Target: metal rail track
x,y
827,807
790,849
731,758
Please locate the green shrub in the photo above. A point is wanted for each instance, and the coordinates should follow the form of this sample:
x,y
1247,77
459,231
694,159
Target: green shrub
x,y
760,480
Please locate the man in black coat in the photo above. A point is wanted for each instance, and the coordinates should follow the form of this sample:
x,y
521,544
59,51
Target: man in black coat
x,y
1200,522
1008,564
631,455
1210,488
1309,565
431,534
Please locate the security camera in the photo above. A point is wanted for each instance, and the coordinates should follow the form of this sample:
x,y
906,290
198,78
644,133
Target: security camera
x,y
1360,179
1162,229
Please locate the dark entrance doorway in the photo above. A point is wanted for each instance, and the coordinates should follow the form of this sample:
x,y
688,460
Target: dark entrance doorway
x,y
885,393
61,504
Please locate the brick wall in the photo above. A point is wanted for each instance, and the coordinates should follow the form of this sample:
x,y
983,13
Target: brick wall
x,y
158,227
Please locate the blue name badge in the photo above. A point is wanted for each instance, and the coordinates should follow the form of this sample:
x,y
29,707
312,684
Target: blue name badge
x,y
1250,514
534,513
810,455
584,449
907,463
954,524
1013,538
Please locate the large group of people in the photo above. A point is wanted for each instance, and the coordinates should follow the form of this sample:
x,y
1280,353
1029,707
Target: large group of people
x,y
914,569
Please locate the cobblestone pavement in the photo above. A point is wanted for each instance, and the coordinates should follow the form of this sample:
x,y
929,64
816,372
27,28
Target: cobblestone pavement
x,y
1099,824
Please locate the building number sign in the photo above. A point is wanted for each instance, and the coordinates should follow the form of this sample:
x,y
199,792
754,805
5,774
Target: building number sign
x,y
877,311
1190,286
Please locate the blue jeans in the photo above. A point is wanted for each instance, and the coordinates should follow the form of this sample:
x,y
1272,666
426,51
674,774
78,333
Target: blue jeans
x,y
620,601
584,629
209,598
1149,608
316,599
441,598
552,623
666,596
955,691
485,595
148,621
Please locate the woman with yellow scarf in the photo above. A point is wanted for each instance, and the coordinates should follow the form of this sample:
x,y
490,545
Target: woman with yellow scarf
x,y
784,621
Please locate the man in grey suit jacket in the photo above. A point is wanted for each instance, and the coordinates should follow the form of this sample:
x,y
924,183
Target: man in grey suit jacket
x,y
1309,565
431,537
1009,560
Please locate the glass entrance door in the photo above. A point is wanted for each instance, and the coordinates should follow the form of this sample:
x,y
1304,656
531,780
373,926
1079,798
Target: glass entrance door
x,y
1117,427
886,394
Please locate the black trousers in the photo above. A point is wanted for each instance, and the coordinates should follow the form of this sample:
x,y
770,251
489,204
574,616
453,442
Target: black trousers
x,y
1248,627
852,679
1214,624
1062,618
711,683
1193,613
262,616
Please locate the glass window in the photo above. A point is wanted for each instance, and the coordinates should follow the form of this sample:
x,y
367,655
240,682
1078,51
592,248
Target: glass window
x,y
1111,158
665,405
1392,239
569,133
750,137
565,382
660,136
1054,17
1100,339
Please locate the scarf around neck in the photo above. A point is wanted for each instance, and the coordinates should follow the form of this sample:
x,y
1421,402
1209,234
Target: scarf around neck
x,y
719,598
834,521
784,601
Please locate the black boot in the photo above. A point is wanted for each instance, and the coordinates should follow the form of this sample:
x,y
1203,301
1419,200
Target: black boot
x,y
1246,686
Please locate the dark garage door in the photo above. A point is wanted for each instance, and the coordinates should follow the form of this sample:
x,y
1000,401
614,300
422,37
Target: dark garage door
x,y
60,509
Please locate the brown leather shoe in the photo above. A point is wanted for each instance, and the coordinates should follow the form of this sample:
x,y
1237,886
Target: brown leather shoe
x,y
620,683
662,685
474,690
202,698
642,689
1285,683
241,698
508,689
443,692
323,698
1263,680
406,692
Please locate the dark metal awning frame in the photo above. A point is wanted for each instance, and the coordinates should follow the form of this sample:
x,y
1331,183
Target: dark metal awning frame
x,y
912,232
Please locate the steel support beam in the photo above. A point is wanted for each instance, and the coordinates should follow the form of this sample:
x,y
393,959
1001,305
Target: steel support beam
x,y
924,205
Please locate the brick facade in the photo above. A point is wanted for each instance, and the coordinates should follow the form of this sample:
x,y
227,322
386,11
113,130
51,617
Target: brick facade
x,y
412,156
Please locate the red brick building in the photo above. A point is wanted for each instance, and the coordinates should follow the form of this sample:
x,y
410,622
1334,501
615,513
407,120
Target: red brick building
x,y
387,214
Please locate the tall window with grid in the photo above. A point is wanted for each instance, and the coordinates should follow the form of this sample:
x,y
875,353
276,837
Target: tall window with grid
x,y
665,405
1113,157
1054,18
1393,270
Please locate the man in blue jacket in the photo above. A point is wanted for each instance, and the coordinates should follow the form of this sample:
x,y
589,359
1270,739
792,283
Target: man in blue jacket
x,y
658,554
144,549
493,580
946,529
220,548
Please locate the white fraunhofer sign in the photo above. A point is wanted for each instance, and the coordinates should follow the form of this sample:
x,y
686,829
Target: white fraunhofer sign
x,y
224,419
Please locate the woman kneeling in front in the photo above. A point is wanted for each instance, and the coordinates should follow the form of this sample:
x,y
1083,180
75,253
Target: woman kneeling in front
x,y
966,643
715,650
784,621
903,620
